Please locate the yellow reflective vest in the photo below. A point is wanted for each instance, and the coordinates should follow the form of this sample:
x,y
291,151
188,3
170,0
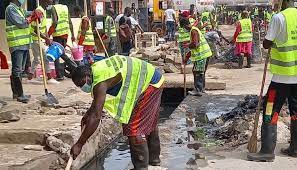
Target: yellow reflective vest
x,y
183,35
113,32
203,50
63,20
89,37
246,33
284,55
136,77
17,36
42,26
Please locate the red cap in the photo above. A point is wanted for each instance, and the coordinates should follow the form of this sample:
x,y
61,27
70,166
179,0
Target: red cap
x,y
185,14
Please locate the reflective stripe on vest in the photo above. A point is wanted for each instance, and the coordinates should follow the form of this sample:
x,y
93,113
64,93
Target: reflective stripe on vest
x,y
63,20
183,35
284,55
246,34
136,77
113,32
203,30
89,37
203,50
17,36
42,25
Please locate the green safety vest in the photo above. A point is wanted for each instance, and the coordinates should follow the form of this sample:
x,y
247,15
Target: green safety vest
x,y
136,77
267,16
205,17
192,21
246,34
203,30
89,37
284,55
183,35
63,20
17,36
42,26
113,32
256,11
203,50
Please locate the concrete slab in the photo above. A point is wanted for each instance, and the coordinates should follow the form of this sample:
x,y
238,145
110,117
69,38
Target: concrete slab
x,y
14,157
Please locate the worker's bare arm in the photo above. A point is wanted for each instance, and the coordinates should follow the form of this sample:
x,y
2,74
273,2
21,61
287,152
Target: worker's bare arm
x,y
54,18
267,44
70,25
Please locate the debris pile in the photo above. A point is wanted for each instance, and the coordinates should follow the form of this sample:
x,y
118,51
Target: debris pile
x,y
165,57
235,127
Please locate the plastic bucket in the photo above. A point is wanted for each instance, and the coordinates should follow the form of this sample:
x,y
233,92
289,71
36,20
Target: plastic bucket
x,y
77,53
54,52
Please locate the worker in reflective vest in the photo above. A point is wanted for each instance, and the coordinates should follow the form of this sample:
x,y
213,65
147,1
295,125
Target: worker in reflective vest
x,y
134,89
61,23
35,45
110,31
243,37
283,86
183,36
85,35
19,38
199,54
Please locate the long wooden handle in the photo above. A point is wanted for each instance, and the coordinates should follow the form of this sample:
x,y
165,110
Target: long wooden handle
x,y
69,163
41,56
261,93
102,43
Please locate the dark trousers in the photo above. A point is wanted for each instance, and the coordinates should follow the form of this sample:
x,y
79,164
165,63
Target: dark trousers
x,y
170,26
19,60
277,95
58,66
126,47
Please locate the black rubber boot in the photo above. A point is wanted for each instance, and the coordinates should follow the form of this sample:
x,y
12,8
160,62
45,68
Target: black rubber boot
x,y
249,62
153,142
19,90
139,153
292,150
268,144
240,62
13,89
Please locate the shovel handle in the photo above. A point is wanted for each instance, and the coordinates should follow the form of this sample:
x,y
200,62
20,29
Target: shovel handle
x,y
69,163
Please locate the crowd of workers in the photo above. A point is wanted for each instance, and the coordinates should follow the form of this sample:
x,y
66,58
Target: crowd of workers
x,y
136,86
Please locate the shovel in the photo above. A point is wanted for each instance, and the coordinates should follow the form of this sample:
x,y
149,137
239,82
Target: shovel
x,y
48,99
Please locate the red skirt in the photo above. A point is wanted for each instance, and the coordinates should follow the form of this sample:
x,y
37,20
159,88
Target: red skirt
x,y
145,115
243,48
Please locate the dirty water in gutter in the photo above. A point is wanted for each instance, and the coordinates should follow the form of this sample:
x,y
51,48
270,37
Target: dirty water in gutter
x,y
117,155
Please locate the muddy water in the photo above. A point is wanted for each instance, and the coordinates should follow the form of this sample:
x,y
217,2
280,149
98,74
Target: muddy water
x,y
174,156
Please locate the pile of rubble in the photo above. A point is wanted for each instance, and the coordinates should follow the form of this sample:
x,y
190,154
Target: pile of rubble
x,y
235,127
165,57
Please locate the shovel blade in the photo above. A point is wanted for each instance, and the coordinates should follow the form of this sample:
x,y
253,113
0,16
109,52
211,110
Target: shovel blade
x,y
48,100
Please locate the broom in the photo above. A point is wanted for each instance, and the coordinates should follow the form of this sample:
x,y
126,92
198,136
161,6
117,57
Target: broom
x,y
252,145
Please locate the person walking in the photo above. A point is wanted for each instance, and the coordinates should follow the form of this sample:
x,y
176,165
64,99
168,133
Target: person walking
x,y
243,38
170,21
135,89
19,38
281,37
35,44
61,23
200,53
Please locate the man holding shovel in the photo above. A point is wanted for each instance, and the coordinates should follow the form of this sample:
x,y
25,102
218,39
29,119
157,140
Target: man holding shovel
x,y
19,40
282,39
135,89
